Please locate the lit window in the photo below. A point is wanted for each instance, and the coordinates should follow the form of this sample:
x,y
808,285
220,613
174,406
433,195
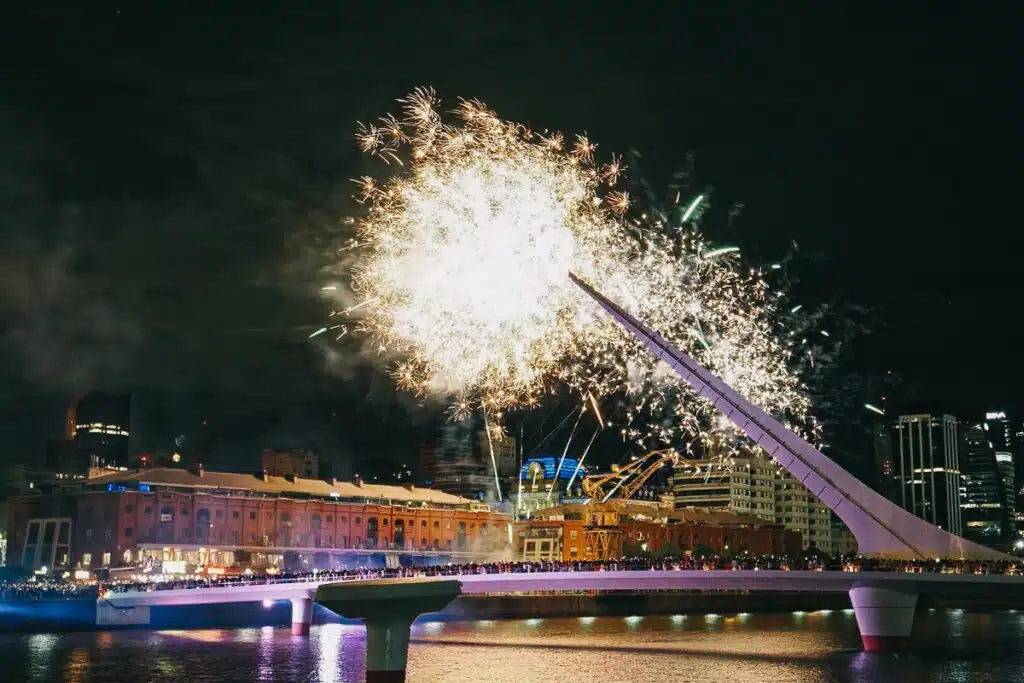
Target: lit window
x,y
106,559
86,559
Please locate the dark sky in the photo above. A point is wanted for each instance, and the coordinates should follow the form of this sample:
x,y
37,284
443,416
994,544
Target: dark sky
x,y
171,174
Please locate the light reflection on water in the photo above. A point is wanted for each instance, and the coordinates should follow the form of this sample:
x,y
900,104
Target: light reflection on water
x,y
813,647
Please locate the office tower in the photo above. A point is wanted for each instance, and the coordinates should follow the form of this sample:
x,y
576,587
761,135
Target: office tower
x,y
926,465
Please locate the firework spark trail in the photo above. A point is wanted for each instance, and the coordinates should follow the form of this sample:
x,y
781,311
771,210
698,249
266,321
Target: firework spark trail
x,y
462,275
579,463
494,463
565,451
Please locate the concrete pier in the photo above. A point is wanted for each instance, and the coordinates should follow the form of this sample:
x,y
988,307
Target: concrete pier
x,y
302,616
387,607
885,617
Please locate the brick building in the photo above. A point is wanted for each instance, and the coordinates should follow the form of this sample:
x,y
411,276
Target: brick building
x,y
558,533
187,520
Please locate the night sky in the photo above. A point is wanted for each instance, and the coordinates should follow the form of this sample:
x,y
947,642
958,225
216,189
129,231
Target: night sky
x,y
171,181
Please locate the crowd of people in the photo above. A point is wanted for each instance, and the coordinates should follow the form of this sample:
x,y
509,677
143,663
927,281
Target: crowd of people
x,y
55,589
46,590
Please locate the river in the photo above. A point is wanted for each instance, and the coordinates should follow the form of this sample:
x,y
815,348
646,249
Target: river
x,y
951,646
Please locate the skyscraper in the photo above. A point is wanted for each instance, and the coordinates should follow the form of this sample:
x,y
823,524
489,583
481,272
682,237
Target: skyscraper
x,y
459,468
1007,445
102,428
926,465
987,484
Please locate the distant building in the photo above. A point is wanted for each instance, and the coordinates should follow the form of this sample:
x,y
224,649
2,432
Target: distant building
x,y
1007,441
460,468
504,447
303,464
926,465
988,500
428,460
755,486
884,470
102,430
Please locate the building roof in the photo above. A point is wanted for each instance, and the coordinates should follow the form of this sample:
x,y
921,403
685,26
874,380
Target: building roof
x,y
283,486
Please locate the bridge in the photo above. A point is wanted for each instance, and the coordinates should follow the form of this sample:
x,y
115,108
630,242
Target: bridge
x,y
882,528
883,602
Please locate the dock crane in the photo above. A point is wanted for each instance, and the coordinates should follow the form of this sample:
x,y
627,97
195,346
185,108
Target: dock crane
x,y
601,533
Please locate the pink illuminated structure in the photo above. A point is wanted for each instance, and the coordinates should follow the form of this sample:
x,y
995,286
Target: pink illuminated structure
x,y
882,528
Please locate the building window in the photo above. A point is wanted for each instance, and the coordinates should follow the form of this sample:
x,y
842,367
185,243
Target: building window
x,y
358,541
424,525
128,509
108,534
219,514
330,541
252,537
167,514
423,543
359,520
270,516
127,556
128,532
86,559
385,521
252,515
184,512
437,525
343,519
235,514
106,559
330,518
236,537
147,510
572,534
88,534
344,541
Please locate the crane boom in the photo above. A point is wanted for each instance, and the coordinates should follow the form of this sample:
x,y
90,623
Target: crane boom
x,y
643,468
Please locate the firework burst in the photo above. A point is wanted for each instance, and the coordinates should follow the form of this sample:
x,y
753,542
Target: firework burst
x,y
462,265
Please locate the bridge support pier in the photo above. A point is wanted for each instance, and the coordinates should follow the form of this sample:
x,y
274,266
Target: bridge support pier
x,y
302,616
885,617
387,607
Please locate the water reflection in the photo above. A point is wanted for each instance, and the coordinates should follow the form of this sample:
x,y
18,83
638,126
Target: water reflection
x,y
748,648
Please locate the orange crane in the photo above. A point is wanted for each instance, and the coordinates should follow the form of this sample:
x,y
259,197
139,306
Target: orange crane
x,y
602,535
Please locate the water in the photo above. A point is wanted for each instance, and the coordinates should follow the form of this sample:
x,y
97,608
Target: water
x,y
951,646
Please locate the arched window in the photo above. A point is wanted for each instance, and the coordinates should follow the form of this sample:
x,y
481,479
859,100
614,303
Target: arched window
x,y
461,535
371,532
400,533
203,525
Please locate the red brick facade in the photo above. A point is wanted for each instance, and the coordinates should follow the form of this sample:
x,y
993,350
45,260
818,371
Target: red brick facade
x,y
115,521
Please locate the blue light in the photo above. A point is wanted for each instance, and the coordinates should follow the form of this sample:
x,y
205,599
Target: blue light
x,y
549,463
144,488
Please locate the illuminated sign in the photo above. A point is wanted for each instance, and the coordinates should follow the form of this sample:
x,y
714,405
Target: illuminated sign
x,y
1004,457
995,416
548,464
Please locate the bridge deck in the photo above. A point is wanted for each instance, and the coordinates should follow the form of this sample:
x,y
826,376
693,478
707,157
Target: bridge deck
x,y
968,585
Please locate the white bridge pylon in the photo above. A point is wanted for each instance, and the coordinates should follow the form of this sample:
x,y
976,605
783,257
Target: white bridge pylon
x,y
882,528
